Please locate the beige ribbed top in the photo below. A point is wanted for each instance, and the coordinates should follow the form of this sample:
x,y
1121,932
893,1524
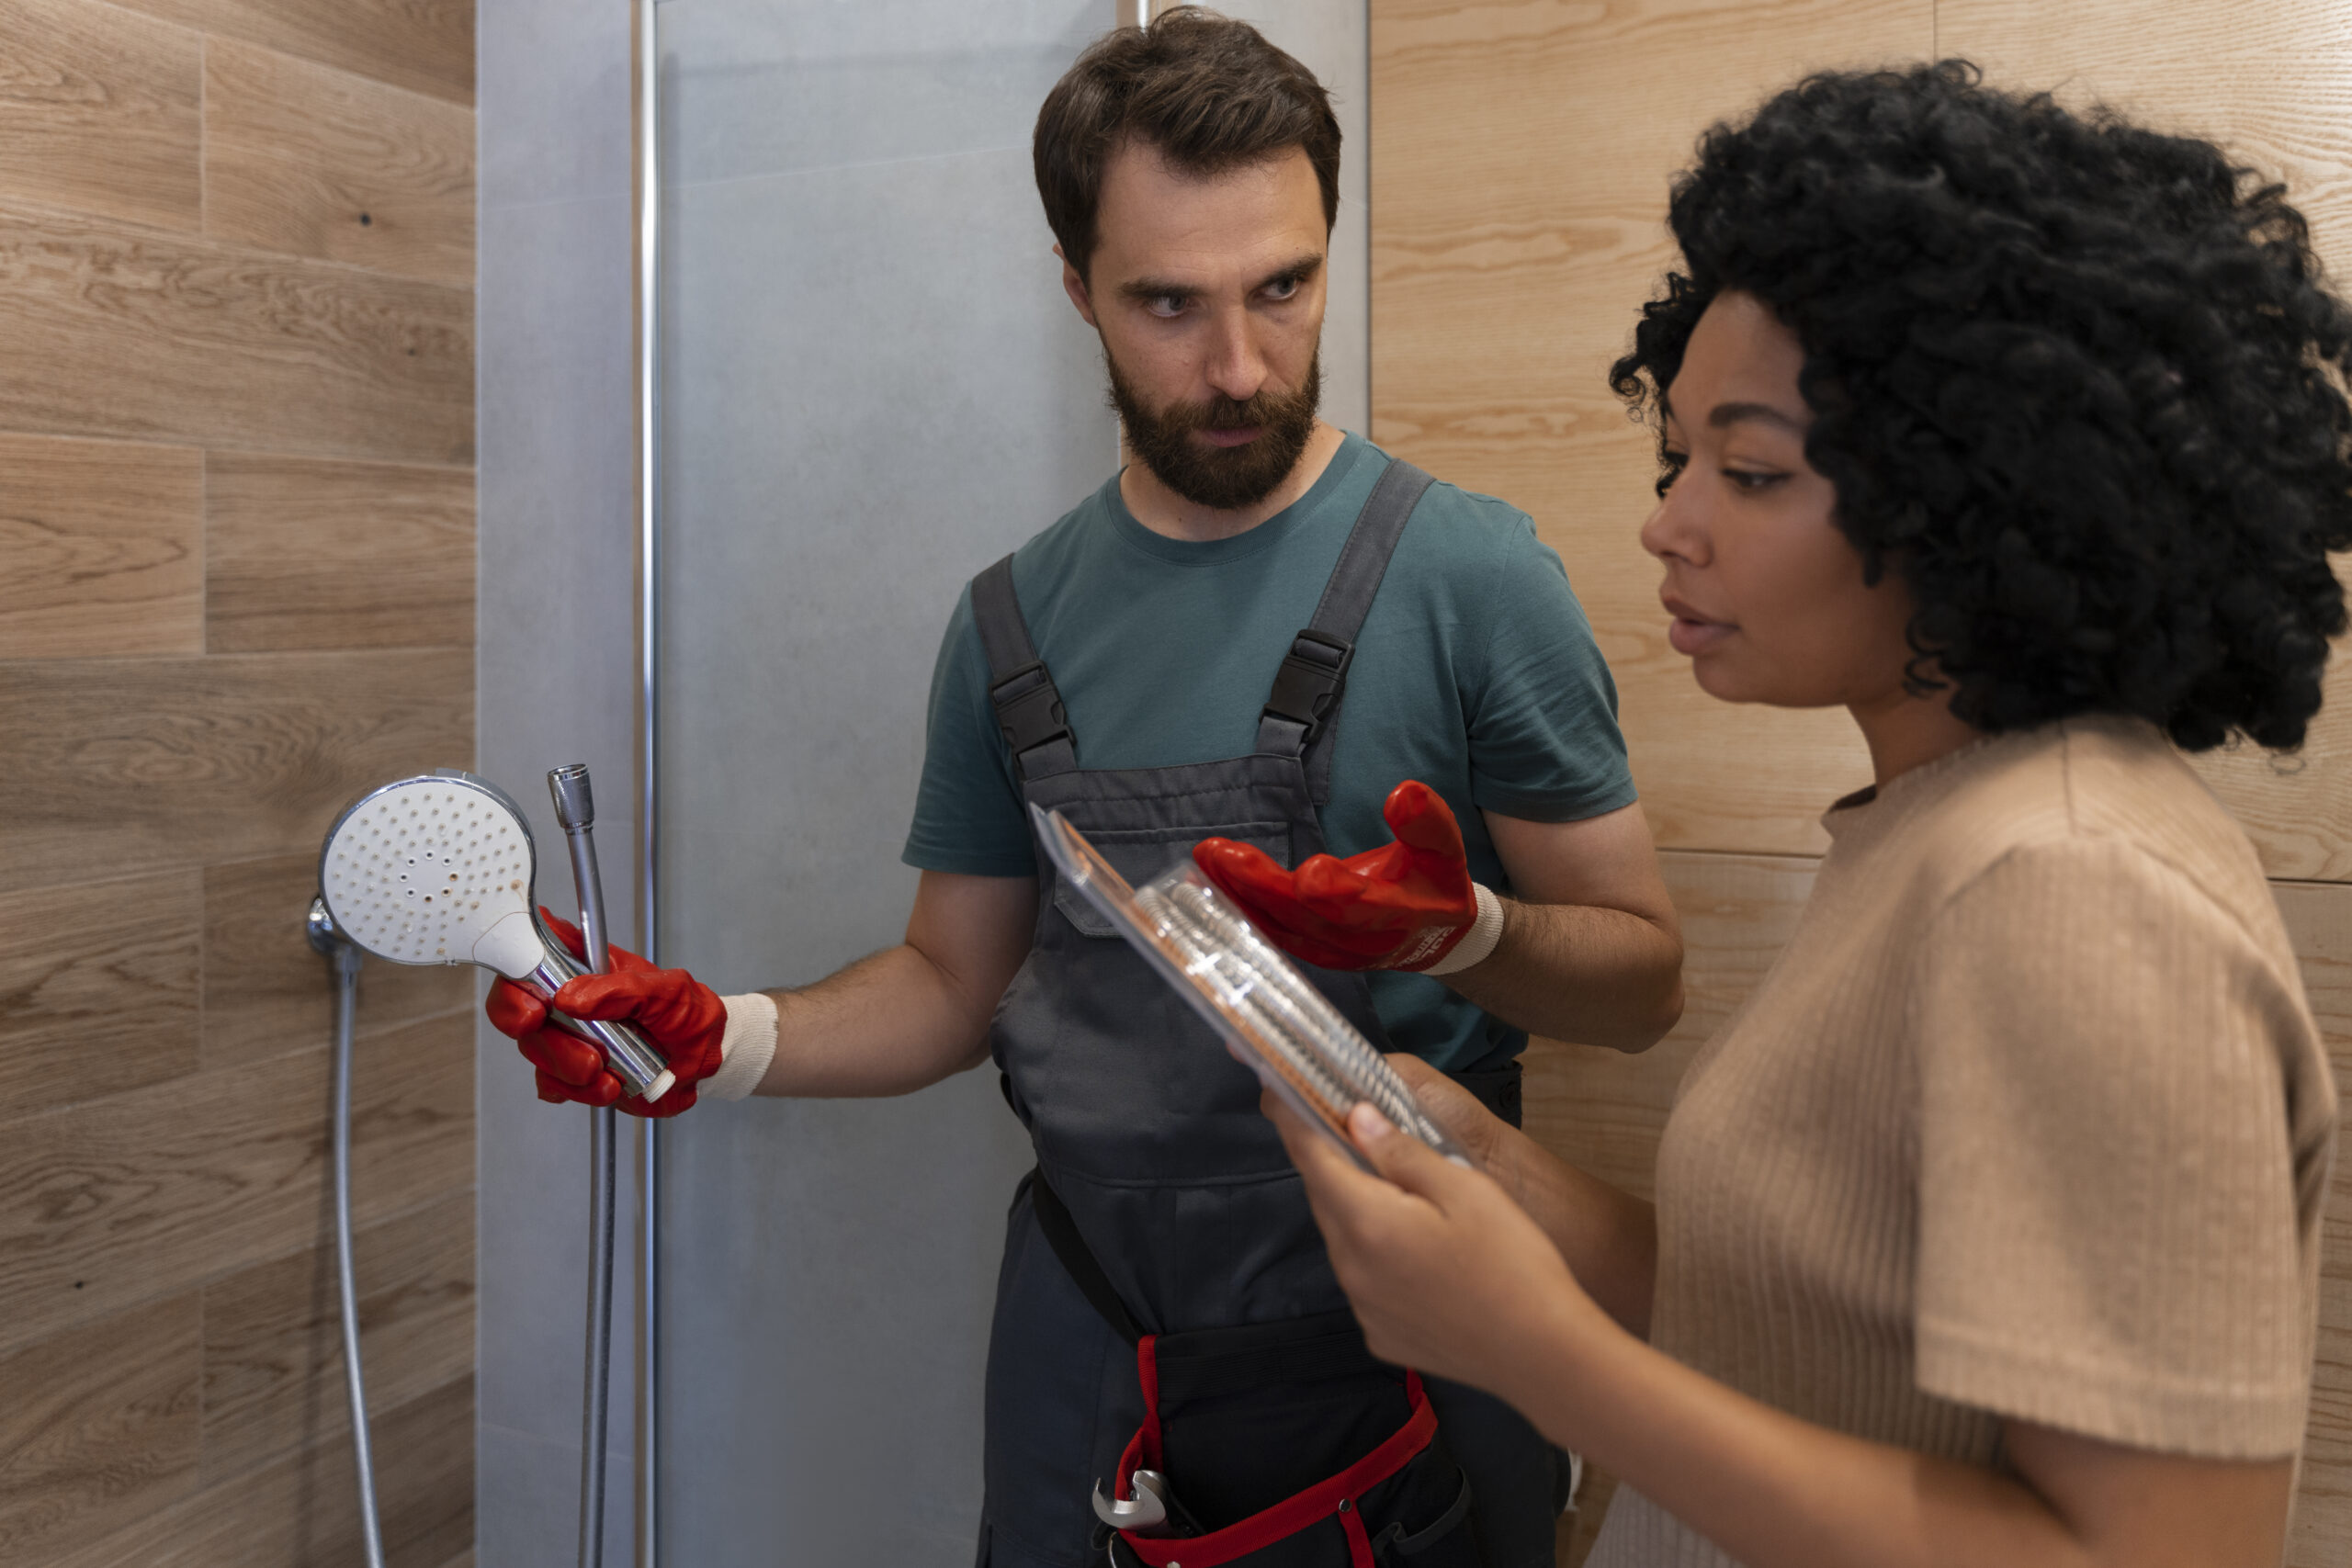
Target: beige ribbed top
x,y
2028,1119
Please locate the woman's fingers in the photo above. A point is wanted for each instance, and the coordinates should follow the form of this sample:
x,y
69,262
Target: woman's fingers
x,y
1407,1163
1454,1108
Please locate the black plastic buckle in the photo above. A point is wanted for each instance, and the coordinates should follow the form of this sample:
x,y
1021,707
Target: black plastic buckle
x,y
1028,709
1308,686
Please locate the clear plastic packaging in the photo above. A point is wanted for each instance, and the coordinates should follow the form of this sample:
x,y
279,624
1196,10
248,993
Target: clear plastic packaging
x,y
1269,1015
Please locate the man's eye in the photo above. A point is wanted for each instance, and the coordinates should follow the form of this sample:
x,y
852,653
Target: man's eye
x,y
1282,289
1166,305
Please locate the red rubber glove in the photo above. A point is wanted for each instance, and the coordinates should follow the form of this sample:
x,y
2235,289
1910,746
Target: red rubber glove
x,y
679,1016
1403,907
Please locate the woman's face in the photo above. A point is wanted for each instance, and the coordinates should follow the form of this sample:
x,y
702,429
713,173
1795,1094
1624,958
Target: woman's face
x,y
1767,595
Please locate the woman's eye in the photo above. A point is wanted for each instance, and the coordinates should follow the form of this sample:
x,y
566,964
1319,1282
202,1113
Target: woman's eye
x,y
1752,479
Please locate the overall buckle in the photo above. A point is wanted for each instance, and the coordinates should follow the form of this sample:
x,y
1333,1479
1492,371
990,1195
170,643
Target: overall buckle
x,y
1029,710
1307,685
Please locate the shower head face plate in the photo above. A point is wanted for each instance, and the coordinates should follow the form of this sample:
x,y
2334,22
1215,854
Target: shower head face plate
x,y
435,870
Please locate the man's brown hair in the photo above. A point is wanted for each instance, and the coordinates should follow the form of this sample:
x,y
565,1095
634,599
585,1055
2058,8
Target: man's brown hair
x,y
1210,94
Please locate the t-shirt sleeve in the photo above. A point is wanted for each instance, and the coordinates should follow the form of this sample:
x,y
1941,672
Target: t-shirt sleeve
x,y
1543,738
969,816
2107,1225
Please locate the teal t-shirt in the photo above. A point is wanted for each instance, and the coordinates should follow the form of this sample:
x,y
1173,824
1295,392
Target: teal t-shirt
x,y
1476,672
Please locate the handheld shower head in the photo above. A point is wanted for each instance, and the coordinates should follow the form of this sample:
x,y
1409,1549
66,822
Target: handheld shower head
x,y
439,869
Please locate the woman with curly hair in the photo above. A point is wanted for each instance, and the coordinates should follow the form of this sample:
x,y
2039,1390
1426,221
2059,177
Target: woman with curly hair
x,y
1986,1232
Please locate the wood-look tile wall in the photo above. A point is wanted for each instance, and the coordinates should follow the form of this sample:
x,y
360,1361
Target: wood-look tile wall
x,y
1520,151
237,531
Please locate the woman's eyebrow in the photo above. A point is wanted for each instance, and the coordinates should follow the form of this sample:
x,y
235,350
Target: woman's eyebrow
x,y
1723,415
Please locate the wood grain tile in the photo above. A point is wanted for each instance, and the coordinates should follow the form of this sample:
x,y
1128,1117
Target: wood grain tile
x,y
316,161
1581,1527
99,111
99,988
119,766
116,332
1520,153
424,44
412,1115
102,547
265,993
304,554
301,1512
273,1334
98,1429
2319,921
1603,1109
153,1192
2273,83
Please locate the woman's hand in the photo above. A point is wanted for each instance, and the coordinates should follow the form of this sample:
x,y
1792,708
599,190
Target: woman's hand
x,y
1485,1135
1608,1238
1446,1273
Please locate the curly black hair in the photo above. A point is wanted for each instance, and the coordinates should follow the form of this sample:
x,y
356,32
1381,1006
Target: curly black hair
x,y
2078,383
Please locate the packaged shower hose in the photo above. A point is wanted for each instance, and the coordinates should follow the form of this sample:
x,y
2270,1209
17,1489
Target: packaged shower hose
x,y
1269,1015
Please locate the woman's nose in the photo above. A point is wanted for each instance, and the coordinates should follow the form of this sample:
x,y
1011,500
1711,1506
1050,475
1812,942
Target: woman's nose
x,y
1674,529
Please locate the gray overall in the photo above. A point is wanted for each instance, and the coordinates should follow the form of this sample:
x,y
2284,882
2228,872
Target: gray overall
x,y
1147,1133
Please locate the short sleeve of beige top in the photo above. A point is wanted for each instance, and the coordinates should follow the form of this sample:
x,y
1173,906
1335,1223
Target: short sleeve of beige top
x,y
2030,1120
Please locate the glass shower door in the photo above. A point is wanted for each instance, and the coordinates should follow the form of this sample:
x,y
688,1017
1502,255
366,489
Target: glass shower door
x,y
872,387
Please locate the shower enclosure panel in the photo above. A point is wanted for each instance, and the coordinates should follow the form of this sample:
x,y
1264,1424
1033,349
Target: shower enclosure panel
x,y
871,386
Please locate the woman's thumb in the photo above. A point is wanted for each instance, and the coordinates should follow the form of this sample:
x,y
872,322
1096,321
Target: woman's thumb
x,y
1408,1162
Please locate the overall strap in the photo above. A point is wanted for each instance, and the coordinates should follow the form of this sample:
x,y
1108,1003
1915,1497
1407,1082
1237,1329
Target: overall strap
x,y
1028,709
1299,714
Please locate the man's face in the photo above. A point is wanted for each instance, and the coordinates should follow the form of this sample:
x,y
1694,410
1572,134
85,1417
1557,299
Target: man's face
x,y
1208,294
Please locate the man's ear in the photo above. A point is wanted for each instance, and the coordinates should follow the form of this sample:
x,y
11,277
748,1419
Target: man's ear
x,y
1074,285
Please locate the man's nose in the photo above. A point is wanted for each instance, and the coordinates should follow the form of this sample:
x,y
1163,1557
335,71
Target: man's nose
x,y
1237,369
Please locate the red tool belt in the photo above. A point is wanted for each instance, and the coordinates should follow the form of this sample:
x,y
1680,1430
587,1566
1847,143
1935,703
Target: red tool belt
x,y
1336,1500
1277,1445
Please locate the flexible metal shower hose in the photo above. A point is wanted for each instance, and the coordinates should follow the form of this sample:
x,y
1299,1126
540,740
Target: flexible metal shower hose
x,y
347,959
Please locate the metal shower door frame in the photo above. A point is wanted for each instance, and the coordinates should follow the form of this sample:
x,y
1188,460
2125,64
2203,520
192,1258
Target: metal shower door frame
x,y
646,108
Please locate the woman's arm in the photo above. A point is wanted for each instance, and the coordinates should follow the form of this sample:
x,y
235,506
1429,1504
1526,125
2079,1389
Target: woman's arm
x,y
1447,1274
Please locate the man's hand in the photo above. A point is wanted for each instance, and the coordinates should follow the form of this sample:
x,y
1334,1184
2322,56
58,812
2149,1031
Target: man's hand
x,y
1404,906
1445,1271
681,1017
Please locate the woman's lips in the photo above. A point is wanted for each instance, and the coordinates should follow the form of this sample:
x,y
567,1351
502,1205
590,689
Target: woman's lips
x,y
1692,637
1692,634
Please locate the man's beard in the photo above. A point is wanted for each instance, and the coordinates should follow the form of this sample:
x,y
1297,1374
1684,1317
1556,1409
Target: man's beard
x,y
1224,479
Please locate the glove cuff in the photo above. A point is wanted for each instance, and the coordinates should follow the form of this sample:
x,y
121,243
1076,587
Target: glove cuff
x,y
745,1050
1478,940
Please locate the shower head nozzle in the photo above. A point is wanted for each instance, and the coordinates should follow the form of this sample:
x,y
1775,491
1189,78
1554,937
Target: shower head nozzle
x,y
435,869
439,869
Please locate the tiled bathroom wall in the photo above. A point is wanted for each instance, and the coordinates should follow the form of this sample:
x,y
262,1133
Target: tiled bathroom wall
x,y
237,535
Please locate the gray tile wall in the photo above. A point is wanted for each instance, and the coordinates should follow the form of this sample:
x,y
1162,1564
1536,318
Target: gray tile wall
x,y
874,386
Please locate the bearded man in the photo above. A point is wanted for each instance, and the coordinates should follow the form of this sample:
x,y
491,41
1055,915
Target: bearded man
x,y
1173,1376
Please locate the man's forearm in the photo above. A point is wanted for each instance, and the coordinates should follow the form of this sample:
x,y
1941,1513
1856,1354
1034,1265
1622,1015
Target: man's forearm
x,y
1569,972
890,1023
